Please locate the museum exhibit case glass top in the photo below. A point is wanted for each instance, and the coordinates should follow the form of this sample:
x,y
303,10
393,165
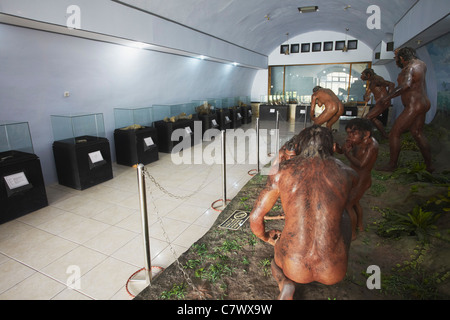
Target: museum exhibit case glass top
x,y
72,126
160,112
15,135
205,104
227,102
125,117
244,100
217,103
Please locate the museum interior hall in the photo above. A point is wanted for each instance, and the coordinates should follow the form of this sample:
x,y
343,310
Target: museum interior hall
x,y
127,126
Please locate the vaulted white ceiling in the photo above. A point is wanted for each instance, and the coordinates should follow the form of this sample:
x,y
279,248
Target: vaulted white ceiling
x,y
262,25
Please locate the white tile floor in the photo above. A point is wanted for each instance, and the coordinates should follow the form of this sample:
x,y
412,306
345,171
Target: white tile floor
x,y
97,232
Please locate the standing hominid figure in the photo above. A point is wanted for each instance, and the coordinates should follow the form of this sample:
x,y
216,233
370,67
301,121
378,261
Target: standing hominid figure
x,y
412,89
314,188
333,107
361,149
380,89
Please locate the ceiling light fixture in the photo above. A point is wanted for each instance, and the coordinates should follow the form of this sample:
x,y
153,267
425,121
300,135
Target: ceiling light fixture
x,y
308,9
345,48
287,41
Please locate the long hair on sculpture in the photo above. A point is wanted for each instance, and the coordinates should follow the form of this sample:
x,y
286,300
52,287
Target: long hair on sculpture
x,y
315,141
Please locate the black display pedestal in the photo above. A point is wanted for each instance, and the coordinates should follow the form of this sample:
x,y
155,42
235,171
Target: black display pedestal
x,y
136,146
22,188
246,112
350,111
269,112
82,162
224,119
302,113
165,130
236,117
209,121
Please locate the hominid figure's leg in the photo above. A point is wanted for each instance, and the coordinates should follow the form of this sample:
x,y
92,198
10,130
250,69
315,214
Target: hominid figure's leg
x,y
286,286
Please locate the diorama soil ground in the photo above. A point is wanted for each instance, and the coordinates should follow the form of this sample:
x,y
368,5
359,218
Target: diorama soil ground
x,y
234,264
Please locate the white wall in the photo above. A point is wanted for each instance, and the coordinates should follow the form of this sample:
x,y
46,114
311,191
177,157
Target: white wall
x,y
38,67
106,17
362,54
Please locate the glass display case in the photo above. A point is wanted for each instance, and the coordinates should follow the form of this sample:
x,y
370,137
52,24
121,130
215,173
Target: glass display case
x,y
22,188
245,106
207,113
81,151
135,138
234,111
15,136
217,103
71,127
168,119
302,113
223,114
269,112
125,117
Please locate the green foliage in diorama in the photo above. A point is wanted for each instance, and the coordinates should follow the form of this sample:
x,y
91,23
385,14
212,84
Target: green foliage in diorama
x,y
178,291
420,221
411,280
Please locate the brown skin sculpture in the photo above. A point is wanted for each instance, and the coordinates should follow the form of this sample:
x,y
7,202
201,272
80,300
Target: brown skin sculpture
x,y
333,107
412,89
380,89
314,188
361,149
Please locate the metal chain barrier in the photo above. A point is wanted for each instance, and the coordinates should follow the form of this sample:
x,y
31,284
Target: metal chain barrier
x,y
166,236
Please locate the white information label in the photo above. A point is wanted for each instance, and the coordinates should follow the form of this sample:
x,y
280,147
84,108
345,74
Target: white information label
x,y
214,122
188,130
302,111
96,156
348,113
228,119
272,110
17,180
239,115
149,141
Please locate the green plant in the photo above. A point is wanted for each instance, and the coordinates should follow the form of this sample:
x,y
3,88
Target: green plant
x,y
266,266
418,222
214,272
416,171
411,281
377,189
246,206
178,291
423,222
230,245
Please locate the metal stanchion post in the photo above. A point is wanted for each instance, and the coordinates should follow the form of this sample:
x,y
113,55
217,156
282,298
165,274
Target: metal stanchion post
x,y
224,174
258,170
306,111
277,133
224,168
135,283
257,144
145,233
